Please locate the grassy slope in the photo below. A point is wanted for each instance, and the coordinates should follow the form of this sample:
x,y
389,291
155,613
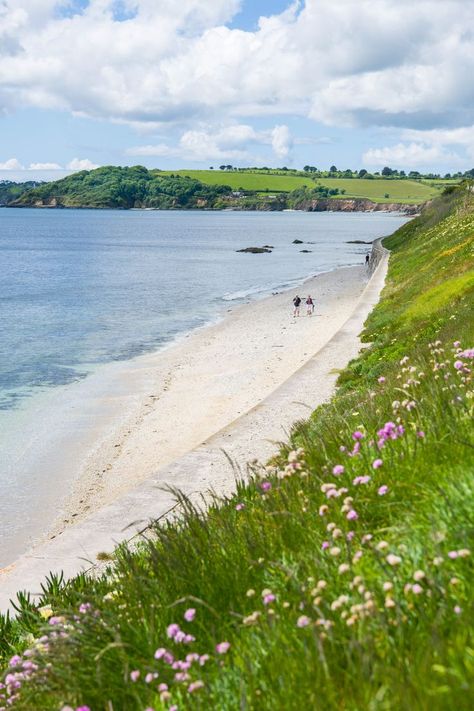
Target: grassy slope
x,y
406,191
378,632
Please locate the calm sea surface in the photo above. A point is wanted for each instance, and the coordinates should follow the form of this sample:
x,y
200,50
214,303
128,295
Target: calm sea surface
x,y
81,288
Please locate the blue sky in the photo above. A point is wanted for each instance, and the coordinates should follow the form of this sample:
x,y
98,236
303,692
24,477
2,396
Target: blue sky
x,y
358,84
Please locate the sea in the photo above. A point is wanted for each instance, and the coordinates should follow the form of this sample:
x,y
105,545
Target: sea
x,y
85,292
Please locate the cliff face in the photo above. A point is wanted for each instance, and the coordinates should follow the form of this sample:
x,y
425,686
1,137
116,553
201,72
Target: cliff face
x,y
355,205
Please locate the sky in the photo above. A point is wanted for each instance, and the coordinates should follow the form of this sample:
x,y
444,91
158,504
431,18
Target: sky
x,y
199,83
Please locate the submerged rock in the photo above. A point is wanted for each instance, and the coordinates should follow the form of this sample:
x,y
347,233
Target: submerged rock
x,y
255,250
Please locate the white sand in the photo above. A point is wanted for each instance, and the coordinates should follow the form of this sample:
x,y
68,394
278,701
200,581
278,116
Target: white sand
x,y
201,384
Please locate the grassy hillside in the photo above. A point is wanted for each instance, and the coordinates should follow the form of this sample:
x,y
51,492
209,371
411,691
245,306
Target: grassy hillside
x,y
116,187
405,191
340,577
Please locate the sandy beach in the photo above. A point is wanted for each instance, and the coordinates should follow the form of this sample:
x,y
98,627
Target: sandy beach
x,y
199,385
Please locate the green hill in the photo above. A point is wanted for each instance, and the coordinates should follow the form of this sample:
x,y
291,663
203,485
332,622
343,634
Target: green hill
x,y
116,187
340,578
402,191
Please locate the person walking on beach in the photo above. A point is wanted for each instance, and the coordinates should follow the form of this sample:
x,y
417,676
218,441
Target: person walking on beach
x,y
309,306
296,304
367,260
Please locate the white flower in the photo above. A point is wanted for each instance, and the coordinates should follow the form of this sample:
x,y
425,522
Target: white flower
x,y
393,559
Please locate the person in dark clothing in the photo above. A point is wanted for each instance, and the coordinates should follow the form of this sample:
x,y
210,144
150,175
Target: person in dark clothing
x,y
296,304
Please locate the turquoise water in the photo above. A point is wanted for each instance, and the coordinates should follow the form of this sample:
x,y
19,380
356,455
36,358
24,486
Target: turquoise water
x,y
82,289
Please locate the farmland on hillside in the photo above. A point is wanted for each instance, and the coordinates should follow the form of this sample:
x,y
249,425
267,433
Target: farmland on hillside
x,y
406,191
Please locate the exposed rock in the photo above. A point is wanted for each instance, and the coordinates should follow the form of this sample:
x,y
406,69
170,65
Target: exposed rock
x,y
297,241
307,251
357,241
255,250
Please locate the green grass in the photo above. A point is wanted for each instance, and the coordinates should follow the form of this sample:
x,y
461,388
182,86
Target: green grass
x,y
384,623
405,191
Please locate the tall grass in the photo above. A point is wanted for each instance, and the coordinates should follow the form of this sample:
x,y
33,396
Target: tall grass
x,y
338,577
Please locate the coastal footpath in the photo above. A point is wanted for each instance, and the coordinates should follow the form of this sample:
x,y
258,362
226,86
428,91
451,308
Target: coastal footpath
x,y
338,575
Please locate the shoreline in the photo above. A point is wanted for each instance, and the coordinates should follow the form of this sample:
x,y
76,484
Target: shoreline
x,y
103,436
206,467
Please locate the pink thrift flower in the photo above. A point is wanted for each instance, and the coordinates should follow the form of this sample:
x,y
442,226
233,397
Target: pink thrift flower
x,y
456,344
352,515
303,621
357,435
457,609
83,708
382,490
162,687
172,630
381,379
149,678
160,653
377,463
203,659
190,614
269,599
338,469
222,647
135,675
239,507
458,364
324,545
266,486
350,535
195,686
420,434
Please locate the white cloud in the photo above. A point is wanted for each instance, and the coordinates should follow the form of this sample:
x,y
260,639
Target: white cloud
x,y
366,62
282,141
44,166
235,142
408,155
11,164
81,164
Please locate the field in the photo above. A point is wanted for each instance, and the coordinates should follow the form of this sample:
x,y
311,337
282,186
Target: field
x,y
405,191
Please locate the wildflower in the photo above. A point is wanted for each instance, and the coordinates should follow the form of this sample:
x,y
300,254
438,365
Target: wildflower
x,y
160,653
251,619
323,509
343,568
190,614
265,486
337,533
356,557
417,589
149,678
45,612
456,344
172,630
303,621
203,659
195,686
85,607
377,463
135,675
321,584
338,469
250,592
357,435
454,581
464,552
381,379
458,364
352,515
393,559
366,538
361,480
437,560
420,434
325,545
382,490
453,555
239,507
83,708
418,575
389,602
350,535
222,647
457,609
335,551
267,599
382,545
162,687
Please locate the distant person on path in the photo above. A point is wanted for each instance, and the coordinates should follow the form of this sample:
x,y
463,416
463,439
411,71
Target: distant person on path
x,y
367,260
296,304
309,306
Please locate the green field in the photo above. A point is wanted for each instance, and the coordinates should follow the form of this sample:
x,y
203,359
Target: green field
x,y
406,191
